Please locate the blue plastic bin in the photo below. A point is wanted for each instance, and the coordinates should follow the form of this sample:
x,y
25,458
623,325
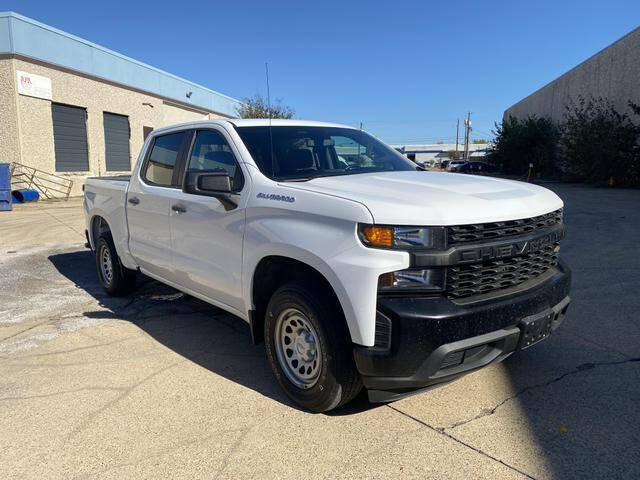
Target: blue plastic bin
x,y
5,186
22,196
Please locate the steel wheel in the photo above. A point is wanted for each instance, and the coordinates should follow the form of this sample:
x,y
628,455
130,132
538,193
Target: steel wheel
x,y
106,265
297,348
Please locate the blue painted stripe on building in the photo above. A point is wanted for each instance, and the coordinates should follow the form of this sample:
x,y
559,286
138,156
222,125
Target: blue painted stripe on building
x,y
24,36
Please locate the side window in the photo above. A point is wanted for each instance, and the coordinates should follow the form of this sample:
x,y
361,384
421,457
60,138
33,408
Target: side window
x,y
212,153
163,158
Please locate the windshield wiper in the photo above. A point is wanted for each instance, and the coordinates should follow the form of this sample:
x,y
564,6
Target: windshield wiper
x,y
301,179
310,177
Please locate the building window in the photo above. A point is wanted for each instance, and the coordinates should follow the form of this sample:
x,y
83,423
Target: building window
x,y
70,138
116,142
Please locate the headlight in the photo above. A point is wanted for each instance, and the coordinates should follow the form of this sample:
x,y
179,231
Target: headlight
x,y
429,279
402,238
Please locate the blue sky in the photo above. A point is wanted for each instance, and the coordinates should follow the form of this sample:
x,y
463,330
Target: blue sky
x,y
406,70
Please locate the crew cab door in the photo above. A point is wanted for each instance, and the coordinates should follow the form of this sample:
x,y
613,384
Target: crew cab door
x,y
149,201
207,232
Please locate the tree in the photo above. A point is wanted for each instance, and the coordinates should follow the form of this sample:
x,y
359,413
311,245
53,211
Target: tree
x,y
479,141
257,107
594,143
599,143
518,143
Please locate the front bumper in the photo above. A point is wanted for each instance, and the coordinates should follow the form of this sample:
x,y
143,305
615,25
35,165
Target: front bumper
x,y
426,341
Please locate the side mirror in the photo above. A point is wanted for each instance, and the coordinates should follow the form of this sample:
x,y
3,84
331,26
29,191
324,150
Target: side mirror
x,y
212,184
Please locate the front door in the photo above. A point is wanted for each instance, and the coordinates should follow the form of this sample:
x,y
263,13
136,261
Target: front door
x,y
207,234
149,202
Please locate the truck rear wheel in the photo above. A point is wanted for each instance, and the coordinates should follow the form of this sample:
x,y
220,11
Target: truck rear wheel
x,y
309,348
114,277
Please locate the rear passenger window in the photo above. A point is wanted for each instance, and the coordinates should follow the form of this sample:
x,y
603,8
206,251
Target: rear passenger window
x,y
212,153
163,158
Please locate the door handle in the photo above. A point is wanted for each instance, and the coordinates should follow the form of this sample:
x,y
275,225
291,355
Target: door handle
x,y
178,208
134,200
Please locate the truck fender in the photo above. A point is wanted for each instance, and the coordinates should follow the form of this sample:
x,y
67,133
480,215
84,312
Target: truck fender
x,y
306,257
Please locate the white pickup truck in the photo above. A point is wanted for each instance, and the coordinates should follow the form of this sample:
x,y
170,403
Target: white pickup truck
x,y
353,266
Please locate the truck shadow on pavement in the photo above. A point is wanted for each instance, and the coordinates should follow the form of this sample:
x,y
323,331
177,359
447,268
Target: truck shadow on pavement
x,y
196,330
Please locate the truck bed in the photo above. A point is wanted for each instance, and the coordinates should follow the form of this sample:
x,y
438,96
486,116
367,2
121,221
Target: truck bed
x,y
106,197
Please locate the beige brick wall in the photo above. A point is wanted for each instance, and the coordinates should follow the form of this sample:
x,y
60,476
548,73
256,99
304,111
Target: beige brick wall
x,y
172,113
36,128
9,145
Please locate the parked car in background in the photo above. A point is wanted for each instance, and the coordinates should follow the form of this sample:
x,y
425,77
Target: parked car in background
x,y
475,167
427,163
353,267
455,165
444,164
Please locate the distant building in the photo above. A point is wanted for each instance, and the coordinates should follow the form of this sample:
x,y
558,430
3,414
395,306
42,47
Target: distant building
x,y
612,73
73,108
439,151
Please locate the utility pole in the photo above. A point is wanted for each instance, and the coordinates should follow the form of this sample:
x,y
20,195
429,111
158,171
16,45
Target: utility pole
x,y
457,133
467,134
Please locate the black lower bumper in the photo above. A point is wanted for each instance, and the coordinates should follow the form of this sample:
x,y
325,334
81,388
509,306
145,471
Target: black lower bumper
x,y
427,341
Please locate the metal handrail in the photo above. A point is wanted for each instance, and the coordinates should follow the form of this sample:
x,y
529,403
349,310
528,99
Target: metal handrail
x,y
47,184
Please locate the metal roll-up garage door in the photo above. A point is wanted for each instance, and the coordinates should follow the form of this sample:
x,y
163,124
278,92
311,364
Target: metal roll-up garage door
x,y
116,140
70,138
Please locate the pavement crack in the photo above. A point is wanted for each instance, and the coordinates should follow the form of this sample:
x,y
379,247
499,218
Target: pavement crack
x,y
238,442
25,330
124,394
158,453
61,222
442,431
580,368
63,392
78,349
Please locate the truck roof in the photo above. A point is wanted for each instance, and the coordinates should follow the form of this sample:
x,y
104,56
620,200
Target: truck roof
x,y
279,122
252,122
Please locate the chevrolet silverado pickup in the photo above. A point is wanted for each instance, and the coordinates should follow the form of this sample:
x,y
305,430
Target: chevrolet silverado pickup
x,y
356,268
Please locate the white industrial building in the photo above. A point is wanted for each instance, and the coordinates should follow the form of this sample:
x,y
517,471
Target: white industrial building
x,y
72,109
436,153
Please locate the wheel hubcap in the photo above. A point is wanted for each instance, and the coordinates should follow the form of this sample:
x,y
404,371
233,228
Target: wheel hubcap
x,y
297,348
106,265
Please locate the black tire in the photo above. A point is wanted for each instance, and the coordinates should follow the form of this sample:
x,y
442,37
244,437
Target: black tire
x,y
337,381
121,280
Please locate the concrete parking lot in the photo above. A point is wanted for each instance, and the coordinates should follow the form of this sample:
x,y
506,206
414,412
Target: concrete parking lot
x,y
161,385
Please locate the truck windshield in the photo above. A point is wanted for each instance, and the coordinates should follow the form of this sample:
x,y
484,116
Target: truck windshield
x,y
302,153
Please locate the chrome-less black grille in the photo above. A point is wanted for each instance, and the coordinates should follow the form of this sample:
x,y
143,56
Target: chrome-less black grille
x,y
475,279
461,234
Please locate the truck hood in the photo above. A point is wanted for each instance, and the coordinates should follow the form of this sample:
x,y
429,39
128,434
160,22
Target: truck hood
x,y
437,198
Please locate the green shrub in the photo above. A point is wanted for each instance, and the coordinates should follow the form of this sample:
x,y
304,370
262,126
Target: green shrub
x,y
519,143
598,143
594,143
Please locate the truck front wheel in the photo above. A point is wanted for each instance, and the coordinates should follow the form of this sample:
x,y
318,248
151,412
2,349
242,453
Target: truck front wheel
x,y
309,348
114,277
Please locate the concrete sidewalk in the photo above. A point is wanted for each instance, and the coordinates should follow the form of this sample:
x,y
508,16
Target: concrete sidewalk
x,y
43,223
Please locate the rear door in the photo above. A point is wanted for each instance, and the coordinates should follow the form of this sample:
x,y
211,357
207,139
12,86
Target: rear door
x,y
116,142
70,138
207,234
149,199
